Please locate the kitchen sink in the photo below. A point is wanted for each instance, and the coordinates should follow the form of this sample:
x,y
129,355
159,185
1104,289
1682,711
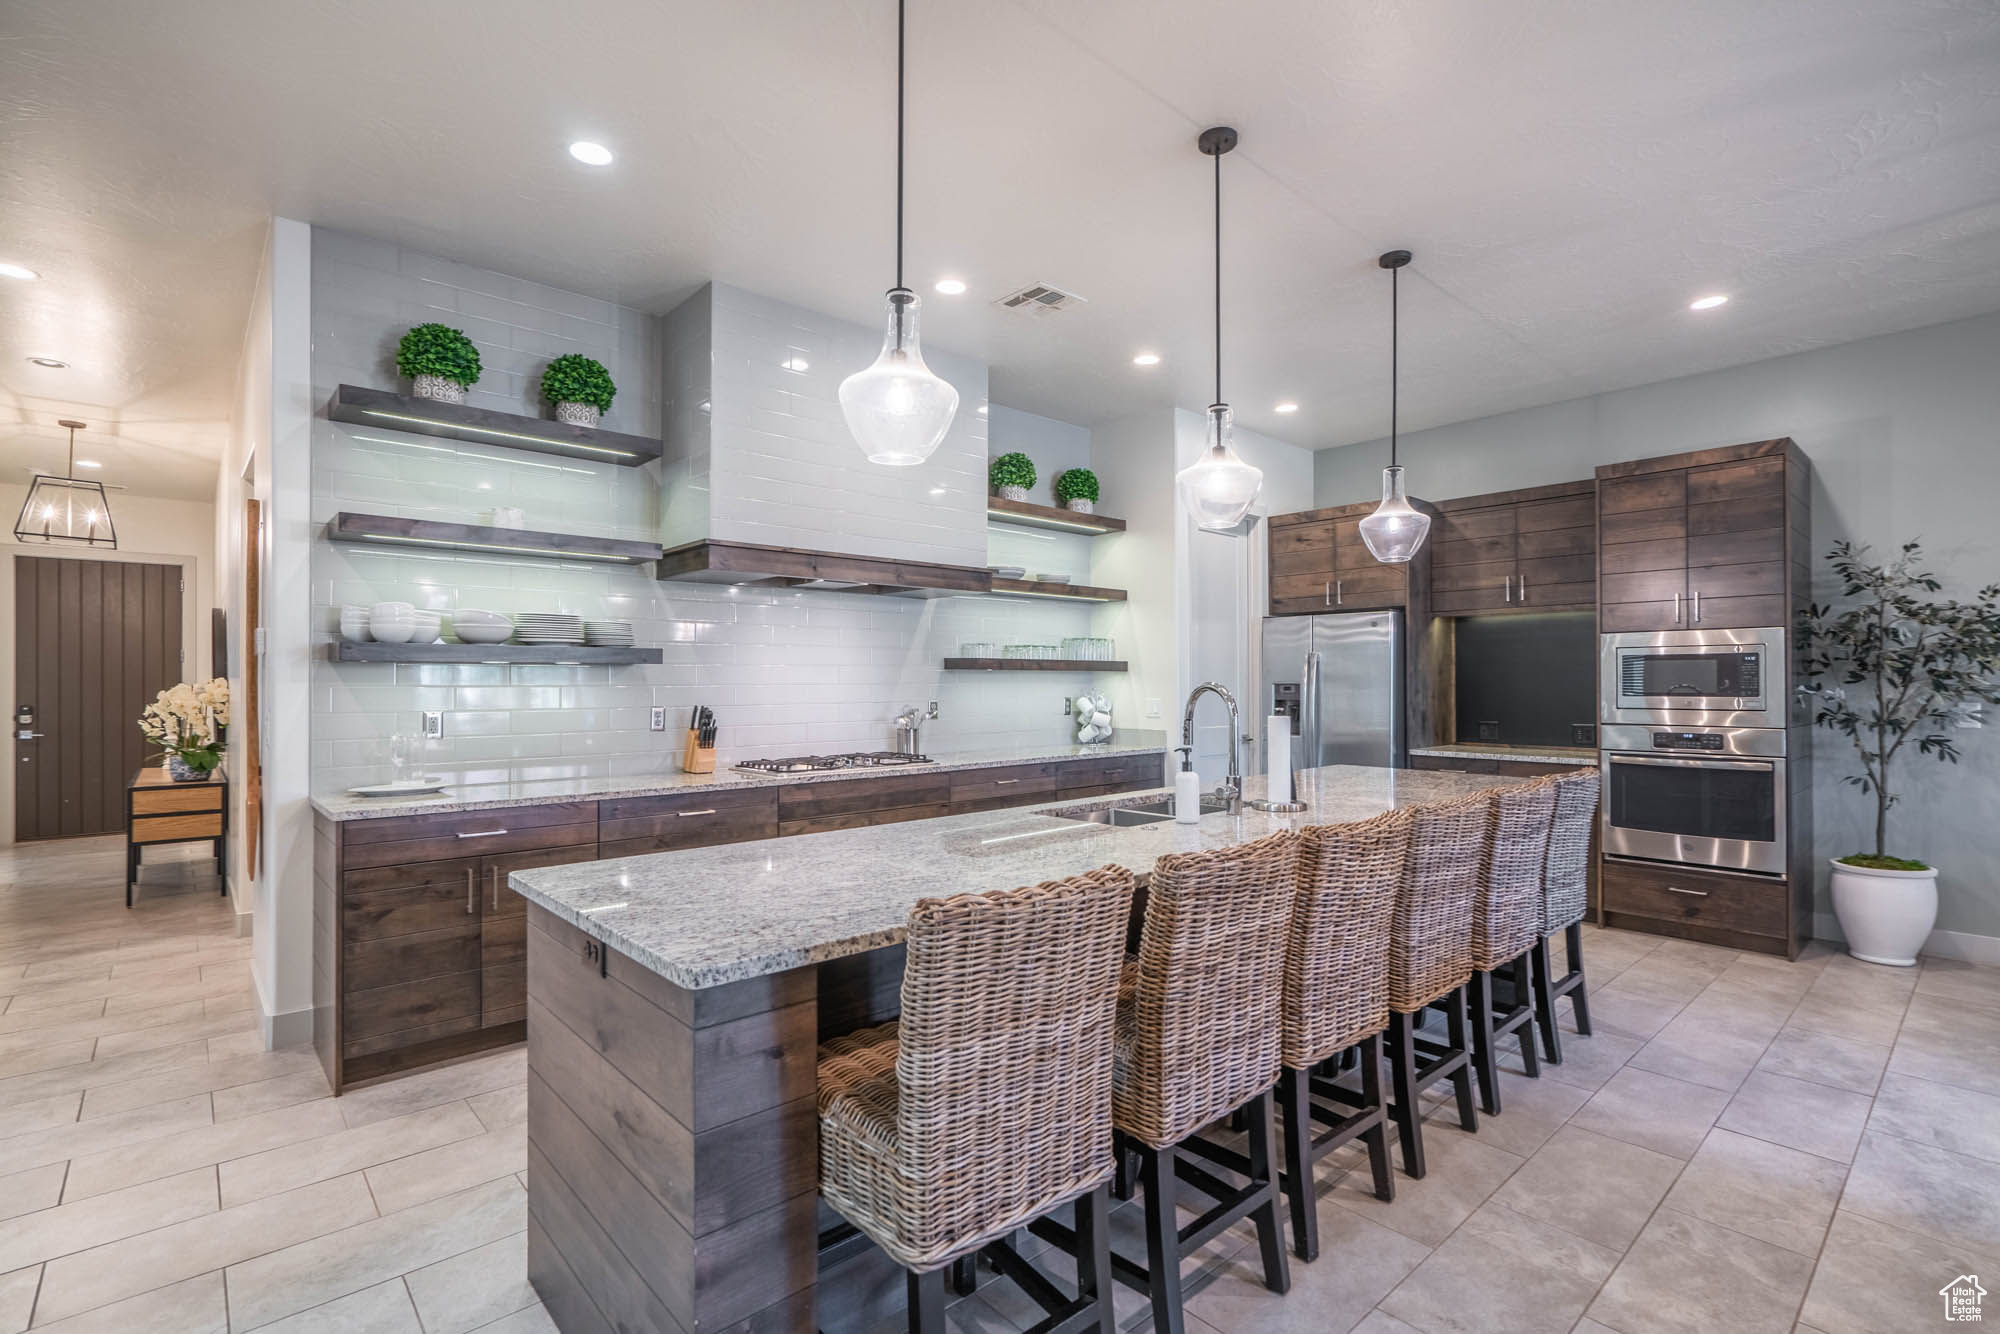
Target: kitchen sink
x,y
1154,810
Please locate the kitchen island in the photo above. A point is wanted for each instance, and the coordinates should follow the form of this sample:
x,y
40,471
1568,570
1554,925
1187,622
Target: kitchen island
x,y
675,1006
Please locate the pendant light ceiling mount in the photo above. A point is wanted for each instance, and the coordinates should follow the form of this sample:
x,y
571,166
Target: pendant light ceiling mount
x,y
1395,532
65,509
1219,488
897,408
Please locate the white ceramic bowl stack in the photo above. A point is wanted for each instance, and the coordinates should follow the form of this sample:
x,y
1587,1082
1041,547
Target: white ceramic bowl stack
x,y
474,626
394,623
354,624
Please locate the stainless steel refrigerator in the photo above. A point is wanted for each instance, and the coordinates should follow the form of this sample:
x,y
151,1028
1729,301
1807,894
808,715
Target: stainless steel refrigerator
x,y
1340,681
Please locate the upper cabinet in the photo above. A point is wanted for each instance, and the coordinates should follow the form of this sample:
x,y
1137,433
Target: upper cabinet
x,y
1320,564
1716,539
1528,550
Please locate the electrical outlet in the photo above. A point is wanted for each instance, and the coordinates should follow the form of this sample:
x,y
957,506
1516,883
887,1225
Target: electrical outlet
x,y
1067,710
659,719
1583,734
433,725
1489,731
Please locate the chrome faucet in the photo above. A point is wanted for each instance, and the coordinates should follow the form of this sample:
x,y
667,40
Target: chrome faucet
x,y
1231,788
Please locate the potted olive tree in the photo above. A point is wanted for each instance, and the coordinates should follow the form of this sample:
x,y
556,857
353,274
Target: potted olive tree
x,y
440,361
1896,665
1012,475
580,388
1077,488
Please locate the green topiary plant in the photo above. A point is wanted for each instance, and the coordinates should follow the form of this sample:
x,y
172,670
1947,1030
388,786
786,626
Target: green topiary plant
x,y
1012,470
440,350
1076,484
575,378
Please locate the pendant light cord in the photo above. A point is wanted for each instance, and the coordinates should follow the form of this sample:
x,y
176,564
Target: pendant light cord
x,y
1218,279
900,4
1395,346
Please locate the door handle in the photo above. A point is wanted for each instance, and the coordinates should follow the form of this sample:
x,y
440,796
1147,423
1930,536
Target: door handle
x,y
26,736
1507,588
1677,609
1697,606
484,833
471,893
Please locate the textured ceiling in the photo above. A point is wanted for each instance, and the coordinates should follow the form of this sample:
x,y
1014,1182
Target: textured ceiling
x,y
1568,174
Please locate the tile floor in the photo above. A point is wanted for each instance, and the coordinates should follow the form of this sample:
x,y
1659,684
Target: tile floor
x,y
1746,1144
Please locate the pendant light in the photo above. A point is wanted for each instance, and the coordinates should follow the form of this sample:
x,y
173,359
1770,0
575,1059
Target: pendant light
x,y
897,409
64,509
1396,529
1219,487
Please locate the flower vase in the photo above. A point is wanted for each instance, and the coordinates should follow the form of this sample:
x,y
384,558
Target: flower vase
x,y
181,771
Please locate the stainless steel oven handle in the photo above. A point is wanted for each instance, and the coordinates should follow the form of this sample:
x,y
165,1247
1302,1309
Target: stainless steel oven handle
x,y
1312,736
1663,763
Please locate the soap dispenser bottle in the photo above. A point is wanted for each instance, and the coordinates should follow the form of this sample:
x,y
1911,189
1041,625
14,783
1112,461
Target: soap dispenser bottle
x,y
1187,788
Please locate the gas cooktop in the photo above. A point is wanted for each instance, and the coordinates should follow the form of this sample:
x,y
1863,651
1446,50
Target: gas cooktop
x,y
853,759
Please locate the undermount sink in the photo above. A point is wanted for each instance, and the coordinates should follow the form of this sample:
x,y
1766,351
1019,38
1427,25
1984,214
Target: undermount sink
x,y
1153,810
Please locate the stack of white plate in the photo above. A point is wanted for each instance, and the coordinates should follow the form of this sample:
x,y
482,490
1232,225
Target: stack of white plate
x,y
537,627
608,634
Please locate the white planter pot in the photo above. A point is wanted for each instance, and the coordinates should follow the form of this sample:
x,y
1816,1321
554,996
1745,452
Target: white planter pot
x,y
579,414
1082,506
1885,915
438,388
1013,493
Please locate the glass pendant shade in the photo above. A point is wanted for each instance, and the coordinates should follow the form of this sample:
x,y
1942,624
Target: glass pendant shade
x,y
64,510
897,409
1219,488
1396,529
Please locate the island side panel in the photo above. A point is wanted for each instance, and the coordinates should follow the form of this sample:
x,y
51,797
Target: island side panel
x,y
673,1143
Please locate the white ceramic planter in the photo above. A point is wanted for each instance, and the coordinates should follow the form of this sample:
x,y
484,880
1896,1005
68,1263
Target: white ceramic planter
x,y
1082,506
1013,493
437,388
1885,915
579,414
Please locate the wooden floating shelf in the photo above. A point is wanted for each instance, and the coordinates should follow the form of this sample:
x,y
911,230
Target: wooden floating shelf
x,y
560,655
1033,665
1042,588
360,406
1028,515
387,530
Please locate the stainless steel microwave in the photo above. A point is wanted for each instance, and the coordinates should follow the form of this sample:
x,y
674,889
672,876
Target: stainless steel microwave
x,y
1701,678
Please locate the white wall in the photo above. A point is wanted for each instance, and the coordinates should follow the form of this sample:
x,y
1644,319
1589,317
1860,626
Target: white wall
x,y
1902,434
1055,446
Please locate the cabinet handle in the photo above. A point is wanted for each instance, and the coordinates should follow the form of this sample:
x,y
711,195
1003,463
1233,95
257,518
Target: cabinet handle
x,y
1521,586
690,814
471,893
493,875
1339,597
1677,609
1005,782
1697,606
484,833
1507,587
1691,893
1328,592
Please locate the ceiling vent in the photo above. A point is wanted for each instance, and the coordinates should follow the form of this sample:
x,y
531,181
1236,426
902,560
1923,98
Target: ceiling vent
x,y
1039,299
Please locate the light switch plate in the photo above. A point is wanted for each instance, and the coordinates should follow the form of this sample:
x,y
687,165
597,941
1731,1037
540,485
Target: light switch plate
x,y
659,719
1152,708
433,725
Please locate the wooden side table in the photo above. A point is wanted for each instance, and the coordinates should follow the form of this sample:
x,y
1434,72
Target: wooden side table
x,y
159,810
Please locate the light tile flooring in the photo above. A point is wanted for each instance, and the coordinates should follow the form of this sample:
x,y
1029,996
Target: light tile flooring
x,y
1746,1144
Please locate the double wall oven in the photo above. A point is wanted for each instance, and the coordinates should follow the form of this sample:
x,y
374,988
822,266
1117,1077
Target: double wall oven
x,y
1692,747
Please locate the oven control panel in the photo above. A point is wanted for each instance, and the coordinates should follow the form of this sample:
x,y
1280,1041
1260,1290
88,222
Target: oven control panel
x,y
1687,741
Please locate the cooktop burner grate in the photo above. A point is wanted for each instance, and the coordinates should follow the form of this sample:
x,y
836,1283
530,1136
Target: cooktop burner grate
x,y
853,759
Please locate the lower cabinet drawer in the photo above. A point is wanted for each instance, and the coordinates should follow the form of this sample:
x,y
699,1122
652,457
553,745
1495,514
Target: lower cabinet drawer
x,y
1701,898
168,800
173,828
851,796
1014,785
635,825
821,824
1114,773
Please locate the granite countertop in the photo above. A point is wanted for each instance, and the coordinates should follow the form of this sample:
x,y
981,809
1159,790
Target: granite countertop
x,y
1477,750
529,792
703,917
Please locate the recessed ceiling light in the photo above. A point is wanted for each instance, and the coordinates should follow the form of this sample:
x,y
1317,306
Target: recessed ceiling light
x,y
796,364
88,463
590,154
1146,359
951,286
18,271
1287,406
50,362
1708,302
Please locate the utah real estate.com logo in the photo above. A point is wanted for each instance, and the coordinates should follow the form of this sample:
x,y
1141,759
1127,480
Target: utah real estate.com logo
x,y
1961,1298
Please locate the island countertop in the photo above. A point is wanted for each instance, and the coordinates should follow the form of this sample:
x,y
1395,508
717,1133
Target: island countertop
x,y
531,792
703,917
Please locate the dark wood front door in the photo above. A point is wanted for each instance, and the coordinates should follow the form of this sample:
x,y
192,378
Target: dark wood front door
x,y
94,641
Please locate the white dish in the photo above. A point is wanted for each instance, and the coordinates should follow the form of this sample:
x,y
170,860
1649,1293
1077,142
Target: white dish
x,y
477,616
484,634
427,625
1043,577
406,788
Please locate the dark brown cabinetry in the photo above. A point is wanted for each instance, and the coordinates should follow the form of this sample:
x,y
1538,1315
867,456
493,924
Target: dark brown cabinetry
x,y
1706,540
420,947
1528,550
1320,564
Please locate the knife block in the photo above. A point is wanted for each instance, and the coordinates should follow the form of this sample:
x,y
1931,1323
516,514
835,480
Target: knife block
x,y
695,757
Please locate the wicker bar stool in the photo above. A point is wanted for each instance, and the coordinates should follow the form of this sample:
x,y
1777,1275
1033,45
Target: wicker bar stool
x,y
1430,961
1198,1030
1565,900
1336,1000
988,1102
1506,922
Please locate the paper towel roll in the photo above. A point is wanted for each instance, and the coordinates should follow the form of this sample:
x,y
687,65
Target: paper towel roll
x,y
1278,758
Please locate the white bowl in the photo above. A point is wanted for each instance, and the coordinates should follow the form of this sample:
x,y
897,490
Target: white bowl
x,y
475,616
392,631
427,625
483,634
